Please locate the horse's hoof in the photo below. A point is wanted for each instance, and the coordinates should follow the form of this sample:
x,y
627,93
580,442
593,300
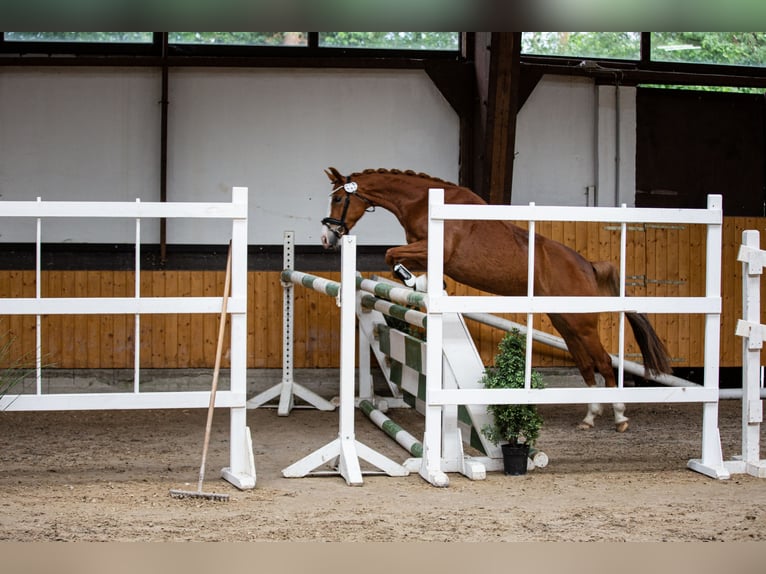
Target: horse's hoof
x,y
621,427
584,426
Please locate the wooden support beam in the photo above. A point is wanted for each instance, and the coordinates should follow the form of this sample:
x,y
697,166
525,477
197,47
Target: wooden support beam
x,y
502,105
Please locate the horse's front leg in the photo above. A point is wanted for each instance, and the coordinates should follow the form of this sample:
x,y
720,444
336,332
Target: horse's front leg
x,y
414,256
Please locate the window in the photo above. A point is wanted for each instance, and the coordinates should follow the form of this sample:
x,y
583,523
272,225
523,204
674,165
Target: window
x,y
240,38
729,48
90,37
391,40
600,45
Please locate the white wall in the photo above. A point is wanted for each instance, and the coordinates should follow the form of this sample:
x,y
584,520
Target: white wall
x,y
85,134
566,144
94,134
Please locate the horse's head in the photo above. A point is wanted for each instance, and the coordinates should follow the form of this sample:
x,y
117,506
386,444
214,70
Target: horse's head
x,y
346,208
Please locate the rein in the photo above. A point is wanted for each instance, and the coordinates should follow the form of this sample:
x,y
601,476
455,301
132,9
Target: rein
x,y
339,226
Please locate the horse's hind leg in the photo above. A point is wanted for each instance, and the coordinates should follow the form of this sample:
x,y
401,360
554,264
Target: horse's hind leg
x,y
604,366
584,363
591,358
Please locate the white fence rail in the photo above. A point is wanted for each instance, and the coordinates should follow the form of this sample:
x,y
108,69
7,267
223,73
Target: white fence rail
x,y
241,471
437,398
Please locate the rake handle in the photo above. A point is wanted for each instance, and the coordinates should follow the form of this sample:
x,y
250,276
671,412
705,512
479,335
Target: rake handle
x,y
216,370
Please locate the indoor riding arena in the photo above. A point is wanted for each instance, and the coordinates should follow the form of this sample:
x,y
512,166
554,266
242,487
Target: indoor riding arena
x,y
254,285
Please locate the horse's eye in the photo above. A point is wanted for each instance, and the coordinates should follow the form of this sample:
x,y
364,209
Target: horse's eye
x,y
336,199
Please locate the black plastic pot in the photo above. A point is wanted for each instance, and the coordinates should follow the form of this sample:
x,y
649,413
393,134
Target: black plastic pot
x,y
515,458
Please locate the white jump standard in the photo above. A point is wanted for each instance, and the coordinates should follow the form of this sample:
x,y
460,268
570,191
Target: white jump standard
x,y
752,332
345,451
288,389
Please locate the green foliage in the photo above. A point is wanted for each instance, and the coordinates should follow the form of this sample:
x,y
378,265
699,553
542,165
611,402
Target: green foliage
x,y
386,40
732,48
240,38
137,37
512,423
392,40
618,45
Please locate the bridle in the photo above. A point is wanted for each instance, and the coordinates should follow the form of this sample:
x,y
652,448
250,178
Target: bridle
x,y
339,226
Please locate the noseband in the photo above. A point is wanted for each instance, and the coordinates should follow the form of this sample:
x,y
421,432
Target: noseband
x,y
339,226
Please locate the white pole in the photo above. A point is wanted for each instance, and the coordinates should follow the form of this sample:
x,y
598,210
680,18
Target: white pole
x,y
530,296
711,463
137,321
752,407
621,334
241,469
432,440
38,322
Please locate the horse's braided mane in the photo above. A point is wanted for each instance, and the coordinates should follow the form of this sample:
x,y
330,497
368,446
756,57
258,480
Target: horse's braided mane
x,y
405,172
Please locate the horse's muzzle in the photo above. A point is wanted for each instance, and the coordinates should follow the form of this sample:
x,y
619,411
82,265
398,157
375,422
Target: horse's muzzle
x,y
330,237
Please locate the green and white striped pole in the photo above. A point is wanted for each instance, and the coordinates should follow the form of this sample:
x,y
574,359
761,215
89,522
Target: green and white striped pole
x,y
401,436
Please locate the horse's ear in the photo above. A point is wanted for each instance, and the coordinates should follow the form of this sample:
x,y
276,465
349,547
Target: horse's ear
x,y
334,175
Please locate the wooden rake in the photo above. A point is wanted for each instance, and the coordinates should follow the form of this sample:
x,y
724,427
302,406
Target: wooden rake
x,y
214,387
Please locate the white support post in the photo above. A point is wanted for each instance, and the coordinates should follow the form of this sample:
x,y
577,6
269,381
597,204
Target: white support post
x,y
711,463
137,316
288,389
38,322
241,469
345,451
431,469
530,296
751,330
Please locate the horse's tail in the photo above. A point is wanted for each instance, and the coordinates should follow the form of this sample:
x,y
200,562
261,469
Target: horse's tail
x,y
653,350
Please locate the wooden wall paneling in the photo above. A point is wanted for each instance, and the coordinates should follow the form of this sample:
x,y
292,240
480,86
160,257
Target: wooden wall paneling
x,y
158,323
183,322
119,324
105,328
300,327
226,350
209,332
731,290
684,257
697,247
257,319
197,324
92,322
274,342
15,323
5,321
52,325
146,330
670,260
68,322
672,278
173,327
324,330
23,326
80,356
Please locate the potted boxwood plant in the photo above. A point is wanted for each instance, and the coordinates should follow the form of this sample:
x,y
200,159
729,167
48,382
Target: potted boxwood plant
x,y
515,427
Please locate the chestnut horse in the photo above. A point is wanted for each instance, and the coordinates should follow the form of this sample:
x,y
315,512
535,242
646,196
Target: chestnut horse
x,y
492,256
